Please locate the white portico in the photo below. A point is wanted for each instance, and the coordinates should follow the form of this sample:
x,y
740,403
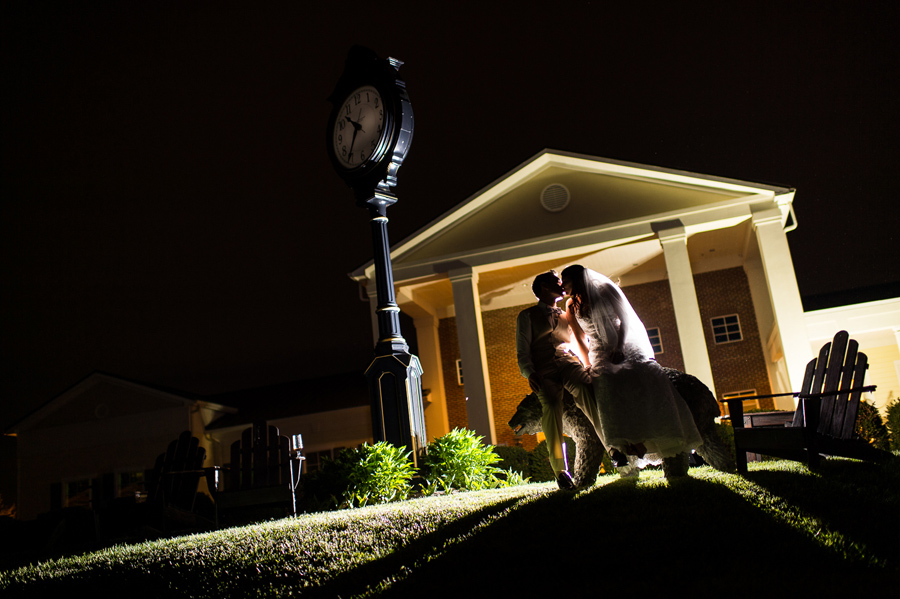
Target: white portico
x,y
635,223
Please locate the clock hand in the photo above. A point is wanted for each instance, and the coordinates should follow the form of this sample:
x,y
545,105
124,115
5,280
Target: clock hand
x,y
356,126
353,140
356,129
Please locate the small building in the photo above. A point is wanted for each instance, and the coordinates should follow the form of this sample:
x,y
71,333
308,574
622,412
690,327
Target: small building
x,y
97,440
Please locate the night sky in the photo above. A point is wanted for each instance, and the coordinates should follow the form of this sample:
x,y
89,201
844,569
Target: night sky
x,y
169,214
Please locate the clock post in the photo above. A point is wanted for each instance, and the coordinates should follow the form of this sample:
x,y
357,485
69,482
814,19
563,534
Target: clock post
x,y
369,134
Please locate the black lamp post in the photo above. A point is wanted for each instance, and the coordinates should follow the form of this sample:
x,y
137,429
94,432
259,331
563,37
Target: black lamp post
x,y
369,134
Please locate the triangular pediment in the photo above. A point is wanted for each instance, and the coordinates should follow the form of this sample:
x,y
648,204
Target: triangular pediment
x,y
101,397
607,203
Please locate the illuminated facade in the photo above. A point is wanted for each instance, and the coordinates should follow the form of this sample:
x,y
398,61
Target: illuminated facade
x,y
704,260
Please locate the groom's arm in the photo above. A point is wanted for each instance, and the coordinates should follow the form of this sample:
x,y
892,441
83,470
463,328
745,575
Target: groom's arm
x,y
523,350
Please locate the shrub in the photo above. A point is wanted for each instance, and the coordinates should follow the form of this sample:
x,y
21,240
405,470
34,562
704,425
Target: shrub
x,y
368,474
893,422
539,460
459,460
870,427
378,473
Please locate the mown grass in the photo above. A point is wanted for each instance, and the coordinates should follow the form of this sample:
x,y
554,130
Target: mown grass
x,y
781,529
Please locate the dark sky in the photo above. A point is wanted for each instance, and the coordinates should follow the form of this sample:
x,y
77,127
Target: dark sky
x,y
169,214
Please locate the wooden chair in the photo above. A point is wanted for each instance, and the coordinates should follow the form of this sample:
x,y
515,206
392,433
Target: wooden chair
x,y
173,482
824,423
263,475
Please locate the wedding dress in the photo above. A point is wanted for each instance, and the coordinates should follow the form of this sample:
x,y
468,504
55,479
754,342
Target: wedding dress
x,y
633,401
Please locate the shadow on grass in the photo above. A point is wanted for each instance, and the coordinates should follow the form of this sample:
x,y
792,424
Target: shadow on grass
x,y
625,537
636,537
859,501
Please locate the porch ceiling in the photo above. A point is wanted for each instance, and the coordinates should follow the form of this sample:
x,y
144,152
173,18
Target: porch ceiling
x,y
638,261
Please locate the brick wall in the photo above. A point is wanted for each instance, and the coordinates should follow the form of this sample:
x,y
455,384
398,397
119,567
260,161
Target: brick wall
x,y
508,387
740,365
653,304
456,397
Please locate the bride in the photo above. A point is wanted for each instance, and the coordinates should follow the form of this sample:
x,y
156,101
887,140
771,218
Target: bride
x,y
635,409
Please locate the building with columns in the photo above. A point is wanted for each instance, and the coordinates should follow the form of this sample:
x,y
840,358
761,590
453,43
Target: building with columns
x,y
704,260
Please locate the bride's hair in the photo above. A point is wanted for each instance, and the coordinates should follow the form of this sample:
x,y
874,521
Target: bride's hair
x,y
575,274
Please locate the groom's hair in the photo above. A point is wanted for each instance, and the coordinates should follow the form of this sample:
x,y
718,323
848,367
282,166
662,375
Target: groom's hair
x,y
545,277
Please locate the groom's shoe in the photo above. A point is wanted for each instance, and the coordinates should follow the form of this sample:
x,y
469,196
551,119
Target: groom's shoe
x,y
564,480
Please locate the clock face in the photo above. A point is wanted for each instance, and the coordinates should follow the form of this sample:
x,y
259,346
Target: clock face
x,y
358,128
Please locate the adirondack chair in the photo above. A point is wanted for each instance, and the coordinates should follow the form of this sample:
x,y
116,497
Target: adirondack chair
x,y
174,479
263,475
825,420
172,486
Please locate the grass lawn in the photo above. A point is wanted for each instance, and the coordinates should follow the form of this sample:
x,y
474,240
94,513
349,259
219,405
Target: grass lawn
x,y
781,530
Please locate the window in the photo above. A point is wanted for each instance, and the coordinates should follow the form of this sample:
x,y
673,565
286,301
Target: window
x,y
726,329
459,372
748,405
655,340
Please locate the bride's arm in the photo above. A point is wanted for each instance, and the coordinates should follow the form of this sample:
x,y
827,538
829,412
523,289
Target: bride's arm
x,y
616,301
580,340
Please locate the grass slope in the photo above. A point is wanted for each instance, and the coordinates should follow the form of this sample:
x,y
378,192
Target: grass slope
x,y
781,528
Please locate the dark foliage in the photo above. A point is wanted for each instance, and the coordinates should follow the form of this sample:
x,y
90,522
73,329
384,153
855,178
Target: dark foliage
x,y
513,458
893,423
870,426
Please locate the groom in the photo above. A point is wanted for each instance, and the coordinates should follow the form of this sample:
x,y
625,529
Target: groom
x,y
540,329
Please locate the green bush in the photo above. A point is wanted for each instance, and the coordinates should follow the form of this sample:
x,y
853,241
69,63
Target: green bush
x,y
368,474
380,473
539,460
459,460
870,427
893,422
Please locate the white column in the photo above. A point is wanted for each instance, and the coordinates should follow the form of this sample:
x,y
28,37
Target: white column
x,y
436,421
784,295
470,332
684,300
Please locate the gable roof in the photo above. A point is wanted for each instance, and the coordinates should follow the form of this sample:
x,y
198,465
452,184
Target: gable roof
x,y
102,395
612,203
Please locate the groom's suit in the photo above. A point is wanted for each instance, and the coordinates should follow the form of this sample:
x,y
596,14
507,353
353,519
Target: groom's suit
x,y
538,333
